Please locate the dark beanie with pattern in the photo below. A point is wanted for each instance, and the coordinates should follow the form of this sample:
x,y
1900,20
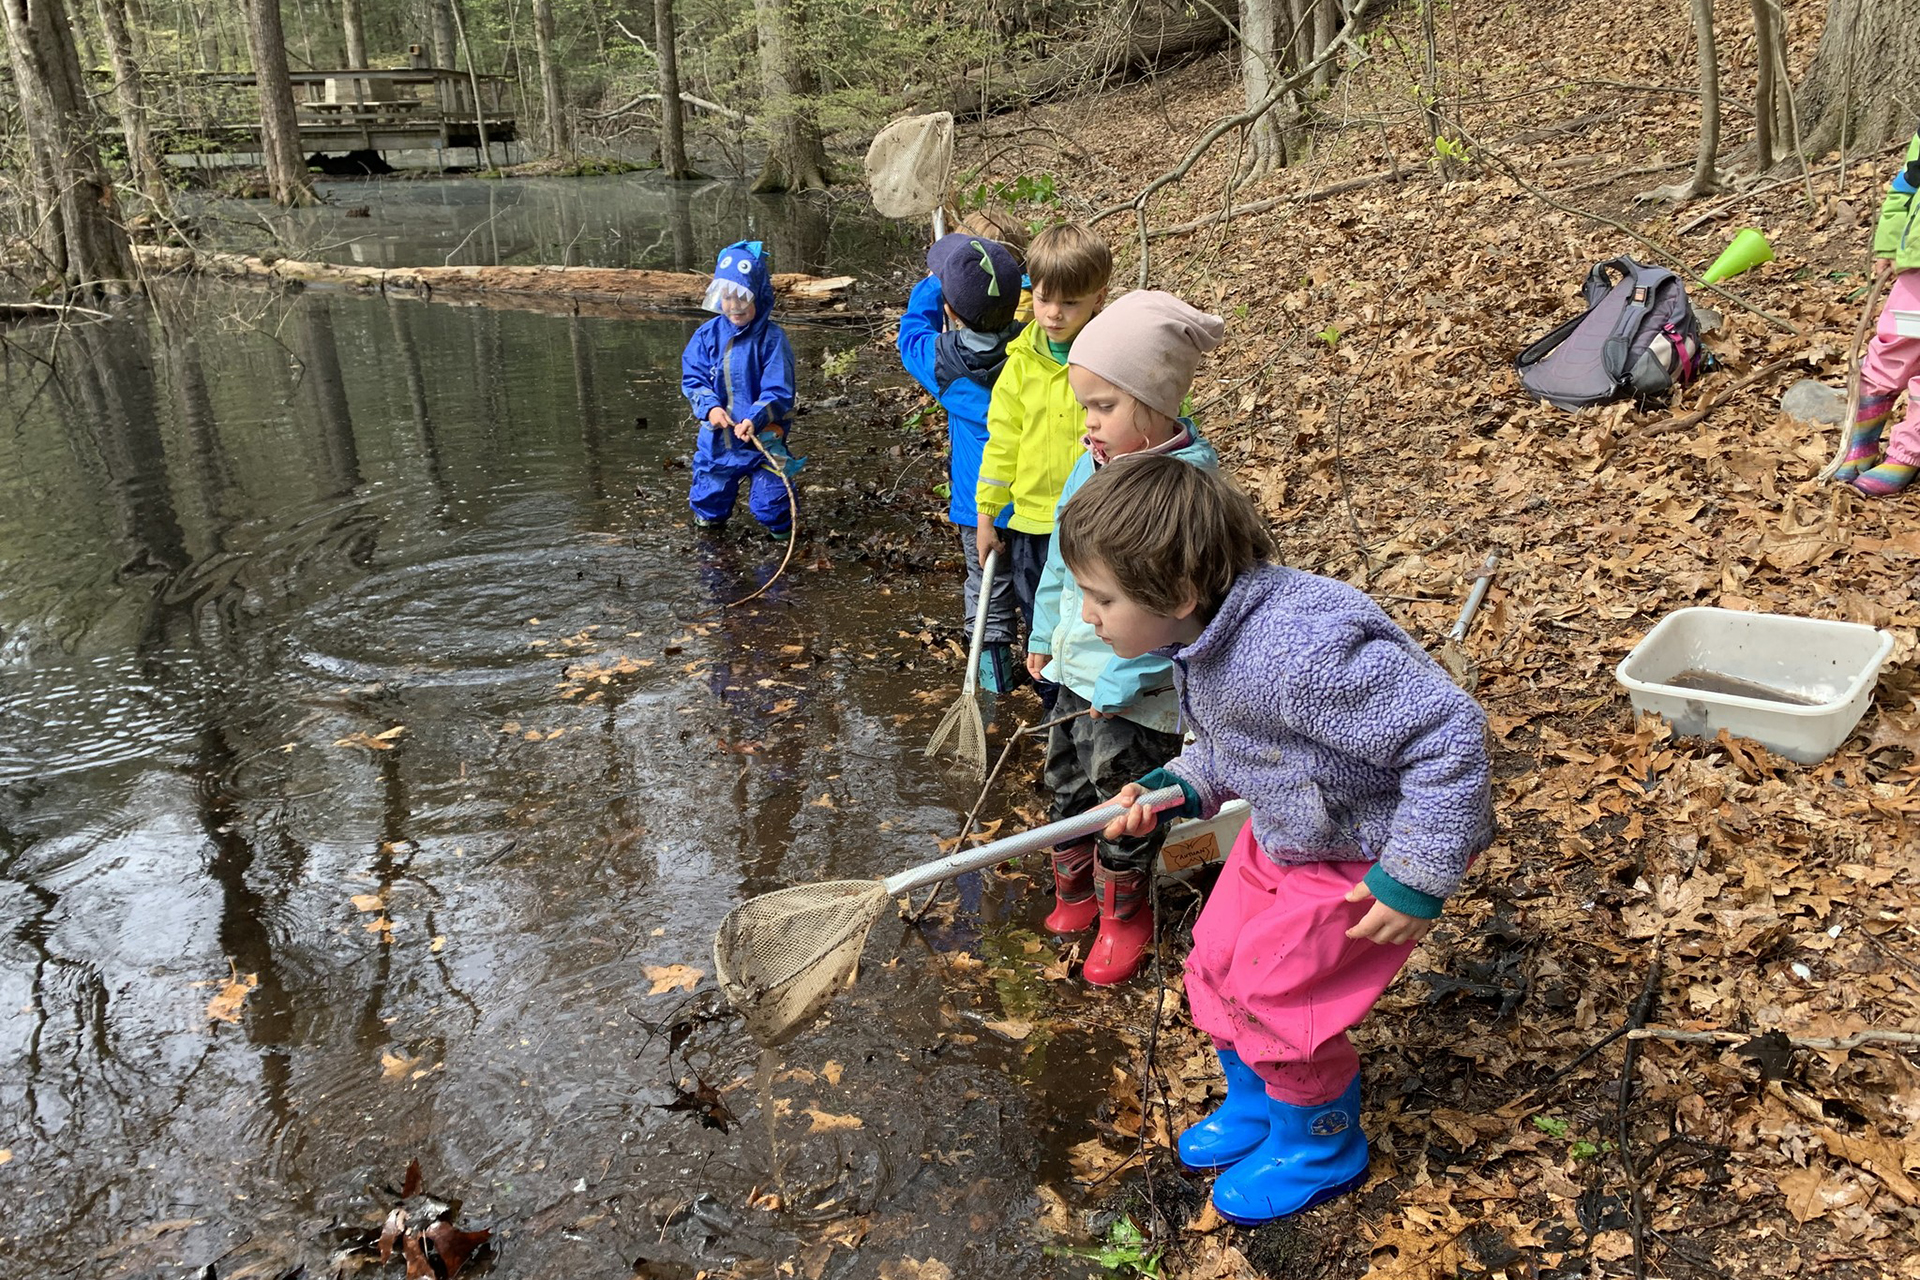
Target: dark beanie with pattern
x,y
978,278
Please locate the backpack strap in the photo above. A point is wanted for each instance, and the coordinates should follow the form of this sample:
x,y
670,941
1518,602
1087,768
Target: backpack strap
x,y
1539,350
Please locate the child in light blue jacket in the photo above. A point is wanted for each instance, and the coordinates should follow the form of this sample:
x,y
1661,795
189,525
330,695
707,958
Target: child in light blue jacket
x,y
1129,369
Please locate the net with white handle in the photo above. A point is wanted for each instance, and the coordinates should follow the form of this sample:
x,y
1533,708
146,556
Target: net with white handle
x,y
782,957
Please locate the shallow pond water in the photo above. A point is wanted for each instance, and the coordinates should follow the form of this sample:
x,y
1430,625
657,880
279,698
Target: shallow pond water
x,y
359,652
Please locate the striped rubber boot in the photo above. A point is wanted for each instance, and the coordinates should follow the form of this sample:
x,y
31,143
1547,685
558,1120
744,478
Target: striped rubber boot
x,y
1885,479
1863,437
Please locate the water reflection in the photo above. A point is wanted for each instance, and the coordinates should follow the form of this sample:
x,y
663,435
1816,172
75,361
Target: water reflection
x,y
305,607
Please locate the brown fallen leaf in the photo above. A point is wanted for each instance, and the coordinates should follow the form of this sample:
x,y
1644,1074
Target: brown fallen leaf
x,y
827,1122
1011,1028
225,1006
410,1182
382,741
666,977
393,1065
824,802
910,1269
454,1246
391,1231
418,1268
832,1071
369,901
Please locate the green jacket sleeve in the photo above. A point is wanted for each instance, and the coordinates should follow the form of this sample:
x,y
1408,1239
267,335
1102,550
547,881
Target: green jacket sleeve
x,y
1895,213
1000,459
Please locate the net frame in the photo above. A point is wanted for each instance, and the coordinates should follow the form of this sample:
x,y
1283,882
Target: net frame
x,y
963,722
780,958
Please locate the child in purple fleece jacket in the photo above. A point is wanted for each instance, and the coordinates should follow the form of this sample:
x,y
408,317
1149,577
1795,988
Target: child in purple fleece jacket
x,y
1367,773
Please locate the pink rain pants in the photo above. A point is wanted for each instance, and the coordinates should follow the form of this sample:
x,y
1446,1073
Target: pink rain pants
x,y
1274,977
1892,364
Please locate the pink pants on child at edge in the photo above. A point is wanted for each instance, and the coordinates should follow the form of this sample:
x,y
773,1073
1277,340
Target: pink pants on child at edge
x,y
1273,976
1892,363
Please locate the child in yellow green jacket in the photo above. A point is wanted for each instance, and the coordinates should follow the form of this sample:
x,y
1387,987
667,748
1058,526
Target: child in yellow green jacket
x,y
1034,425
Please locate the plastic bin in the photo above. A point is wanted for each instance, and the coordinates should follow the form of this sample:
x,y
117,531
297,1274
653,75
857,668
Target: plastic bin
x,y
1795,685
1194,842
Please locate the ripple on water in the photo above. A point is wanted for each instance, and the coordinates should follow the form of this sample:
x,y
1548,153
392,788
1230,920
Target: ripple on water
x,y
464,620
86,714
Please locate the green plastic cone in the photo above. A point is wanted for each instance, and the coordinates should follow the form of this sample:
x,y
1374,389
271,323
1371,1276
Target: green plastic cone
x,y
1748,250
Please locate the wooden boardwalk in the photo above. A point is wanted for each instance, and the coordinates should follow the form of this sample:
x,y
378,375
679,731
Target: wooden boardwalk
x,y
417,109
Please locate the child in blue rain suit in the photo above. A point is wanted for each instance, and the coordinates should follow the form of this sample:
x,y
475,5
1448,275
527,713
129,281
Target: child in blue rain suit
x,y
737,373
953,340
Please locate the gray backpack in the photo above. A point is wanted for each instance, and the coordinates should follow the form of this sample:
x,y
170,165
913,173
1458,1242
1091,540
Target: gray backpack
x,y
1637,338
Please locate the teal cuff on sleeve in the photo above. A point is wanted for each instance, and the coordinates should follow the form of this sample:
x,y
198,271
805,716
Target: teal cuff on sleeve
x,y
1410,902
1191,809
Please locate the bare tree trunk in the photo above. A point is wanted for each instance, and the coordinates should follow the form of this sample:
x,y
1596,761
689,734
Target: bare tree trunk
x,y
1437,134
287,179
78,230
473,79
1259,47
1326,25
673,144
130,96
559,132
1704,179
355,30
446,50
1764,94
1865,78
796,156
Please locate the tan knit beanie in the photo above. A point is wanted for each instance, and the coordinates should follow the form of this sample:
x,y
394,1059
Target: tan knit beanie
x,y
1148,343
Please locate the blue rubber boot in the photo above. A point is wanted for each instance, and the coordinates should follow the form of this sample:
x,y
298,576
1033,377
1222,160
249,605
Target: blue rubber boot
x,y
1311,1155
1236,1126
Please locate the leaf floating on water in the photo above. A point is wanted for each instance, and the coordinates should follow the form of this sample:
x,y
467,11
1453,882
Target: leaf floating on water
x,y
394,1066
6,1154
454,1246
369,901
1012,1028
418,1268
827,1122
825,801
704,1102
225,1007
668,976
382,741
394,1227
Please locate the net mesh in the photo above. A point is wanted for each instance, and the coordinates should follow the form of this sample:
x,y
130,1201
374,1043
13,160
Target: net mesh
x,y
783,956
909,165
966,728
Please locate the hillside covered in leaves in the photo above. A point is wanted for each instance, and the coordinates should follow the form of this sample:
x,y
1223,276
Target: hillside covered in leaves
x,y
1756,917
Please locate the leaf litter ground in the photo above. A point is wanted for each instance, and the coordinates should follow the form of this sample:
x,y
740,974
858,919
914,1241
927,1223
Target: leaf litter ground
x,y
1366,396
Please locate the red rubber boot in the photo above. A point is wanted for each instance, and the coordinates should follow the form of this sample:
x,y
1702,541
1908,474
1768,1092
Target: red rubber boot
x,y
1074,906
1126,926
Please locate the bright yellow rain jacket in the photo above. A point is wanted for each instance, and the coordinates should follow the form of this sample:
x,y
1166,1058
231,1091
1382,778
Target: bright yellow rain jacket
x,y
1034,428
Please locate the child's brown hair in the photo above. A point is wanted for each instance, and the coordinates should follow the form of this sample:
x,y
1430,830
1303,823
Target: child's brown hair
x,y
1069,261
1167,530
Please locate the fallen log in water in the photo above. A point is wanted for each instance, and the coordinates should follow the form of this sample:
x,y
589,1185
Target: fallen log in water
x,y
568,290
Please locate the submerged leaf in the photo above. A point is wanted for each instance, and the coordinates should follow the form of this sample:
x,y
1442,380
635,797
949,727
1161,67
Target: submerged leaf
x,y
453,1246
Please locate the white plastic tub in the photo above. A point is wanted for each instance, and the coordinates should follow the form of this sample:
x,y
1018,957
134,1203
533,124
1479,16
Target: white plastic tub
x,y
1194,842
1795,685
